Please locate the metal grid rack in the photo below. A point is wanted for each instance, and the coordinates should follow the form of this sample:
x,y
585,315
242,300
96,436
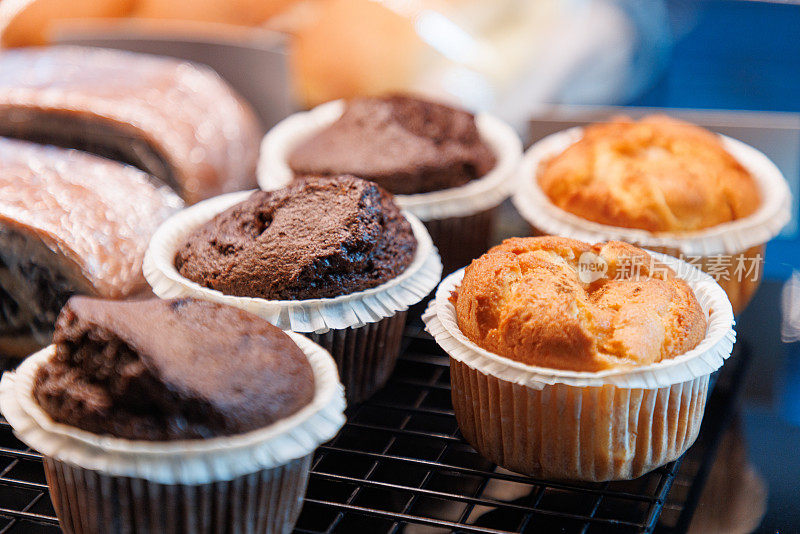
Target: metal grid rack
x,y
401,466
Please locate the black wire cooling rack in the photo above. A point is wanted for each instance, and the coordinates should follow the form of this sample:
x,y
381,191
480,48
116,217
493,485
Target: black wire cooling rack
x,y
400,466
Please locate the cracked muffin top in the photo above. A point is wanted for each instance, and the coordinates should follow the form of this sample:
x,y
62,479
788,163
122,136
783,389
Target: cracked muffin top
x,y
564,304
405,144
657,174
315,238
170,369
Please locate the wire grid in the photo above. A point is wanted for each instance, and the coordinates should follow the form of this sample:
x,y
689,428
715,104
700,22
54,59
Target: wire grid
x,y
401,466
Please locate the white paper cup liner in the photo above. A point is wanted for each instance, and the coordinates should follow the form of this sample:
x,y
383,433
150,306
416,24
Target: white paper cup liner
x,y
478,195
312,315
727,238
184,461
708,356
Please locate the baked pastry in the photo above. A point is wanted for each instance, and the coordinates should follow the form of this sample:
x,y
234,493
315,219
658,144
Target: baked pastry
x,y
178,121
577,361
70,223
145,408
657,174
170,369
316,238
405,144
662,184
564,304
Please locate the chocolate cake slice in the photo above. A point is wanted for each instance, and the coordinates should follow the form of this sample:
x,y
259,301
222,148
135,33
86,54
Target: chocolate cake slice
x,y
170,369
178,121
405,144
316,238
70,223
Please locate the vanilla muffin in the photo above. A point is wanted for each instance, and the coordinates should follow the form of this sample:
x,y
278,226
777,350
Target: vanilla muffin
x,y
662,184
578,361
535,301
657,174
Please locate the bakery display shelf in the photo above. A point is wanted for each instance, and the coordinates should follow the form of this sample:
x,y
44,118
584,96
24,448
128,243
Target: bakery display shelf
x,y
400,466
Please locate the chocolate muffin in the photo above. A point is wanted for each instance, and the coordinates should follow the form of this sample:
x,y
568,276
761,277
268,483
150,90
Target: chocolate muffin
x,y
316,238
160,370
405,144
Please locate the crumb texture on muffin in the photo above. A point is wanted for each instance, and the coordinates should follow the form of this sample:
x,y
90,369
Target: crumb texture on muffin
x,y
170,369
404,144
317,238
539,301
657,174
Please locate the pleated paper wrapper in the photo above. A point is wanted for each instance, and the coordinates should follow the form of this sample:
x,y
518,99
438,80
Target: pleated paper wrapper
x,y
729,238
606,425
307,316
477,196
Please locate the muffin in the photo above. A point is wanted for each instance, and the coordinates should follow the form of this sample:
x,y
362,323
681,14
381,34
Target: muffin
x,y
578,361
177,121
180,399
448,167
658,174
404,144
70,223
332,257
661,183
110,375
637,313
319,238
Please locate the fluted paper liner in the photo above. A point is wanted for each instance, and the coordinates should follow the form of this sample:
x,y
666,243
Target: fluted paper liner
x,y
606,425
184,461
478,195
365,356
728,238
91,502
311,315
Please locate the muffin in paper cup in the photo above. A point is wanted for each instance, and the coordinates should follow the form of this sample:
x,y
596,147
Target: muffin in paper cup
x,y
459,219
732,253
361,330
252,482
595,426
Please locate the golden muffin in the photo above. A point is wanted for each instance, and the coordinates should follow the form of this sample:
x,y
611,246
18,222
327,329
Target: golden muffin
x,y
657,174
564,304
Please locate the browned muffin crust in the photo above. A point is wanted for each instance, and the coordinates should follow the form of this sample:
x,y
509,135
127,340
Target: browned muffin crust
x,y
170,369
526,299
317,238
407,145
658,174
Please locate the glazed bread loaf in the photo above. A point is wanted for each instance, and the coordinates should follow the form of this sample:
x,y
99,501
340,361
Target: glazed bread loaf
x,y
176,120
657,174
70,223
564,304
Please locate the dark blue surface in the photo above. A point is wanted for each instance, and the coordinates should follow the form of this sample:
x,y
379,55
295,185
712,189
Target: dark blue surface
x,y
734,55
